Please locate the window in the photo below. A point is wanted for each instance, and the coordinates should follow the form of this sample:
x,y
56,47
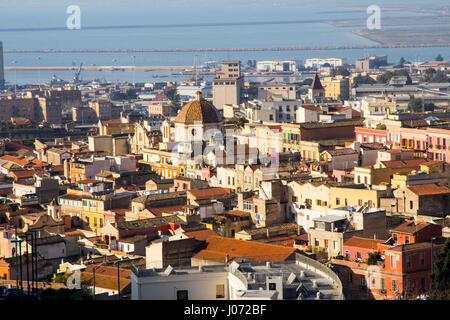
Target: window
x,y
422,284
382,283
347,254
182,295
408,261
373,283
411,204
272,286
422,259
316,242
394,286
406,239
362,280
395,237
393,261
220,291
358,255
338,201
350,277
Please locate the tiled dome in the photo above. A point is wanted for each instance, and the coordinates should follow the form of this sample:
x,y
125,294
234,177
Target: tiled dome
x,y
198,110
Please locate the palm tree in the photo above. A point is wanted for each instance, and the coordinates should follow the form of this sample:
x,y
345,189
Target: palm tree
x,y
238,122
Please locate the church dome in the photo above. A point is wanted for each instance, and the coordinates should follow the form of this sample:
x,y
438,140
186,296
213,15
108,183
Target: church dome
x,y
198,110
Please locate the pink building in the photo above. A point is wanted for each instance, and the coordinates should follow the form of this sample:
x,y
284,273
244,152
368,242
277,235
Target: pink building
x,y
432,143
370,135
161,108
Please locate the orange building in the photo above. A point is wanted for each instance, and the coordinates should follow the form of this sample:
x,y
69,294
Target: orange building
x,y
393,269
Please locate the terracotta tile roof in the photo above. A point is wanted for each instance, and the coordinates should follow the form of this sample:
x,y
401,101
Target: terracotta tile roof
x,y
17,160
372,146
238,213
201,235
209,193
218,247
404,163
341,152
57,168
428,189
366,243
198,110
20,174
106,276
87,181
312,108
159,211
410,227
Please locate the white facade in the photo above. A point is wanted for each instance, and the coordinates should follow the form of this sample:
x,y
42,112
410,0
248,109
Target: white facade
x,y
317,62
278,65
260,281
306,115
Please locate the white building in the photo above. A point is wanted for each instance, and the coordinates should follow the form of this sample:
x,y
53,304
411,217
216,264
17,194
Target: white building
x,y
302,279
278,65
317,62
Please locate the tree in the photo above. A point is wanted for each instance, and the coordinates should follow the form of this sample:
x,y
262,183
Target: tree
x,y
344,95
373,258
431,75
340,71
440,278
131,94
415,105
175,104
363,80
117,96
238,122
439,58
387,76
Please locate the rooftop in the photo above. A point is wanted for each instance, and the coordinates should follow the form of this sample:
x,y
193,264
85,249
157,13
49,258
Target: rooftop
x,y
329,218
428,189
367,243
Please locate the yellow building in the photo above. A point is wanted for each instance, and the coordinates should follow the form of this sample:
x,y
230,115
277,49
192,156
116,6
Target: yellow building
x,y
335,86
93,213
114,126
357,195
291,137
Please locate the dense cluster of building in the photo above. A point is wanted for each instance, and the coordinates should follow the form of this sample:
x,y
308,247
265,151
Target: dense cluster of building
x,y
250,190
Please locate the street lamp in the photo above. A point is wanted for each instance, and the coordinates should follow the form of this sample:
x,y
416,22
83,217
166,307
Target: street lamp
x,y
112,70
93,280
432,253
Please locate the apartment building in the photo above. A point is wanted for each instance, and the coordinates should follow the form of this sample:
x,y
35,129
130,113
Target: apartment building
x,y
228,84
399,268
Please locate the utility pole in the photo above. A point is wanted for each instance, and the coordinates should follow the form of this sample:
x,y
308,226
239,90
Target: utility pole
x,y
423,102
134,71
118,279
15,81
39,72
